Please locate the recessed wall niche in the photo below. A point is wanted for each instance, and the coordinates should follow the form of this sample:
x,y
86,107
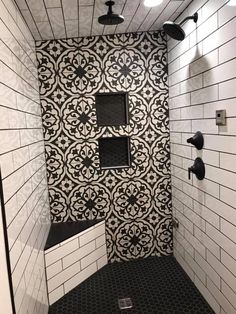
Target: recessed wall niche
x,y
112,109
114,152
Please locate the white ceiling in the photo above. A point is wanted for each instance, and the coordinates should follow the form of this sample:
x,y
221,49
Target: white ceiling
x,y
48,19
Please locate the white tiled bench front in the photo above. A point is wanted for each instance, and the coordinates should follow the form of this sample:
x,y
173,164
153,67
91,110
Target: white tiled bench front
x,y
74,260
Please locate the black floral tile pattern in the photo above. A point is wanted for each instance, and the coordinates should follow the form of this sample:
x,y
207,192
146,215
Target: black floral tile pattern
x,y
155,286
135,201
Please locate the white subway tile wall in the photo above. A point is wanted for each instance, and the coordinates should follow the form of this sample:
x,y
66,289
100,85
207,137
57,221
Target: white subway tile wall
x,y
202,71
74,260
22,161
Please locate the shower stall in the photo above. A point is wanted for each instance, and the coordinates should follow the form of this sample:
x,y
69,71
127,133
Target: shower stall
x,y
117,132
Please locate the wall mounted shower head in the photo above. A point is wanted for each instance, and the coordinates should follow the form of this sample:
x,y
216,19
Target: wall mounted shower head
x,y
175,31
110,18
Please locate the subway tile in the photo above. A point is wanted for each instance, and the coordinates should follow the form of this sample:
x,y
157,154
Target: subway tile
x,y
228,262
192,112
227,89
204,95
178,126
228,105
181,150
228,196
92,257
229,128
174,90
211,273
228,229
180,101
208,295
230,295
208,27
196,219
78,254
102,261
184,265
184,221
175,137
55,295
63,276
60,252
196,268
89,236
219,238
224,303
80,277
206,126
220,73
54,269
226,13
207,214
207,186
194,193
227,51
219,37
204,63
191,84
226,144
227,161
221,176
212,246
174,114
210,157
101,240
179,76
201,249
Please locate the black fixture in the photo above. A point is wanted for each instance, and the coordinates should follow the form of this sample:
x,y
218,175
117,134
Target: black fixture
x,y
114,152
175,31
198,169
112,109
197,140
110,18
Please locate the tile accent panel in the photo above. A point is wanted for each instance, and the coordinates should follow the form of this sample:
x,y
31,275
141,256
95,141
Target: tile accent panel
x,y
202,73
74,260
135,201
22,161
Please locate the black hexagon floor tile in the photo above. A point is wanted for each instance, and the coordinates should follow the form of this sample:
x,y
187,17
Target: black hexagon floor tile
x,y
156,285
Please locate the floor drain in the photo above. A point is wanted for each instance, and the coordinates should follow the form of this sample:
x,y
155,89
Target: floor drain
x,y
125,304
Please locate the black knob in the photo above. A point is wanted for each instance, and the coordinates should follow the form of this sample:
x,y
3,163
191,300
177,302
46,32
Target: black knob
x,y
197,140
198,169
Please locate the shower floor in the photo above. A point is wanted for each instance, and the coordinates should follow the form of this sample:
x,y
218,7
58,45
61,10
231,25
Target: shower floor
x,y
155,285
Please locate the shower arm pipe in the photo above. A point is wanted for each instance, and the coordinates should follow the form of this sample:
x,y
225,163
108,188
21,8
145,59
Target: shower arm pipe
x,y
192,17
110,4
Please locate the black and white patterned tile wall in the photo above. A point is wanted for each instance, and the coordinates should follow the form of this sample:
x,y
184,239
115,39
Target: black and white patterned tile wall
x,y
135,201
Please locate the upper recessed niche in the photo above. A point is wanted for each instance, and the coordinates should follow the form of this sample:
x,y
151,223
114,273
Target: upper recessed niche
x,y
112,109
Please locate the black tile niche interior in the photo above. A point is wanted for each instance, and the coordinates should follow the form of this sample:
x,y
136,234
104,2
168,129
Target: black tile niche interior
x,y
114,152
112,109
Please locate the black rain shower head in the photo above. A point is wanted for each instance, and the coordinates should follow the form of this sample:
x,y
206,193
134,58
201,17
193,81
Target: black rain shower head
x,y
110,18
175,31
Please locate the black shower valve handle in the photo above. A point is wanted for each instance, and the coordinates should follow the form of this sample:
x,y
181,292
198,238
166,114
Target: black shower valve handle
x,y
197,140
198,168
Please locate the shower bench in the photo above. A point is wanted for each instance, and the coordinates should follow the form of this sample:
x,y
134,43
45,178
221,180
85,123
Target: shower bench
x,y
73,252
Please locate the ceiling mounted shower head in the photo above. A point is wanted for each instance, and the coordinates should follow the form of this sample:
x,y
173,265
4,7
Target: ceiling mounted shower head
x,y
175,31
110,18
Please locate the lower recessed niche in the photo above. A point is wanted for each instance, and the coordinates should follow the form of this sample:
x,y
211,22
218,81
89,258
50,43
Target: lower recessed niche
x,y
114,152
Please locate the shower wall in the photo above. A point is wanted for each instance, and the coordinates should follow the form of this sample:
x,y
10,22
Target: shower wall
x,y
134,201
22,162
202,79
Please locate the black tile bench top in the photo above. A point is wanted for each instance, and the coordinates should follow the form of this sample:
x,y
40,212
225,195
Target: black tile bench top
x,y
59,232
